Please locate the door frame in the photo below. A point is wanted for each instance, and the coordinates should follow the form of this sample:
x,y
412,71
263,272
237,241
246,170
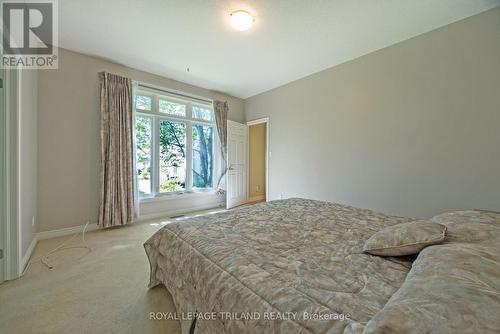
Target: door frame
x,y
3,175
267,154
9,180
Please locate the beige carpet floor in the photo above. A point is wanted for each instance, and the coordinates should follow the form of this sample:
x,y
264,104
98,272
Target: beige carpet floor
x,y
101,291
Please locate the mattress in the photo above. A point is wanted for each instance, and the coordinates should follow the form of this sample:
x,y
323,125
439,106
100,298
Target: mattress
x,y
288,266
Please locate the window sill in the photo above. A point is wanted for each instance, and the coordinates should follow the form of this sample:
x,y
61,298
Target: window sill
x,y
174,196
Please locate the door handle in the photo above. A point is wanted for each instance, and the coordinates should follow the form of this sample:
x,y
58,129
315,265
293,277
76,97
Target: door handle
x,y
230,168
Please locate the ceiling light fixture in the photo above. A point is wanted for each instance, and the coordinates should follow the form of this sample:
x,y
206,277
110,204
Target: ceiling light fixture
x,y
241,20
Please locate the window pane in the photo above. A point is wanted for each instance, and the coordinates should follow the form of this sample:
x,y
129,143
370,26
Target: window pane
x,y
205,114
172,108
203,156
142,102
172,156
143,154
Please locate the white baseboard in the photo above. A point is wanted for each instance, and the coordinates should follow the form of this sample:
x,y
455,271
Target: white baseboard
x,y
65,231
256,198
171,213
47,235
92,227
27,255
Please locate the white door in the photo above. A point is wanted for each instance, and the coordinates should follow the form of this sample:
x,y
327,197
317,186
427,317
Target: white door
x,y
236,164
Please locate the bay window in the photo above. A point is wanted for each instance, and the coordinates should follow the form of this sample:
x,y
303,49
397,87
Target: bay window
x,y
175,144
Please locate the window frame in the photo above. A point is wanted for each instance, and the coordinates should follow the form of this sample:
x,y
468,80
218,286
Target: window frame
x,y
156,117
151,148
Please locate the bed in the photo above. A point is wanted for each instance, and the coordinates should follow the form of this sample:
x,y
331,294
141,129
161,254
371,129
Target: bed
x,y
274,258
288,266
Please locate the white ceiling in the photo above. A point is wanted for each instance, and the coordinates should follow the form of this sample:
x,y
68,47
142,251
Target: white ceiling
x,y
289,40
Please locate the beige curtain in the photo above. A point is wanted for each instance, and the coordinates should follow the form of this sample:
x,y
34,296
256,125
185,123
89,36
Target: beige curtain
x,y
116,205
221,109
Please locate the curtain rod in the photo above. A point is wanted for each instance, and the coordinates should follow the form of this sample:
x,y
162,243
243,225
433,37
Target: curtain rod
x,y
173,92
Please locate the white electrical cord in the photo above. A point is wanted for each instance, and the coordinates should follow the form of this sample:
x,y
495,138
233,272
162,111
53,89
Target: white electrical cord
x,y
45,258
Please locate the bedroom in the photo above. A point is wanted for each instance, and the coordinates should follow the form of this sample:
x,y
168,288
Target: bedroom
x,y
135,198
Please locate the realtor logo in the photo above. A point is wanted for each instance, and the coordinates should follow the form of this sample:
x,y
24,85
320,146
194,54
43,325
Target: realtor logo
x,y
29,33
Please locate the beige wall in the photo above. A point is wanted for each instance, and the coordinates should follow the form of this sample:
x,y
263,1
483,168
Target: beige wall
x,y
68,136
412,129
257,161
28,178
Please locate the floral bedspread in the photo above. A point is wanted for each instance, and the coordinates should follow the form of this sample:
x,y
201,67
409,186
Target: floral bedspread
x,y
288,266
